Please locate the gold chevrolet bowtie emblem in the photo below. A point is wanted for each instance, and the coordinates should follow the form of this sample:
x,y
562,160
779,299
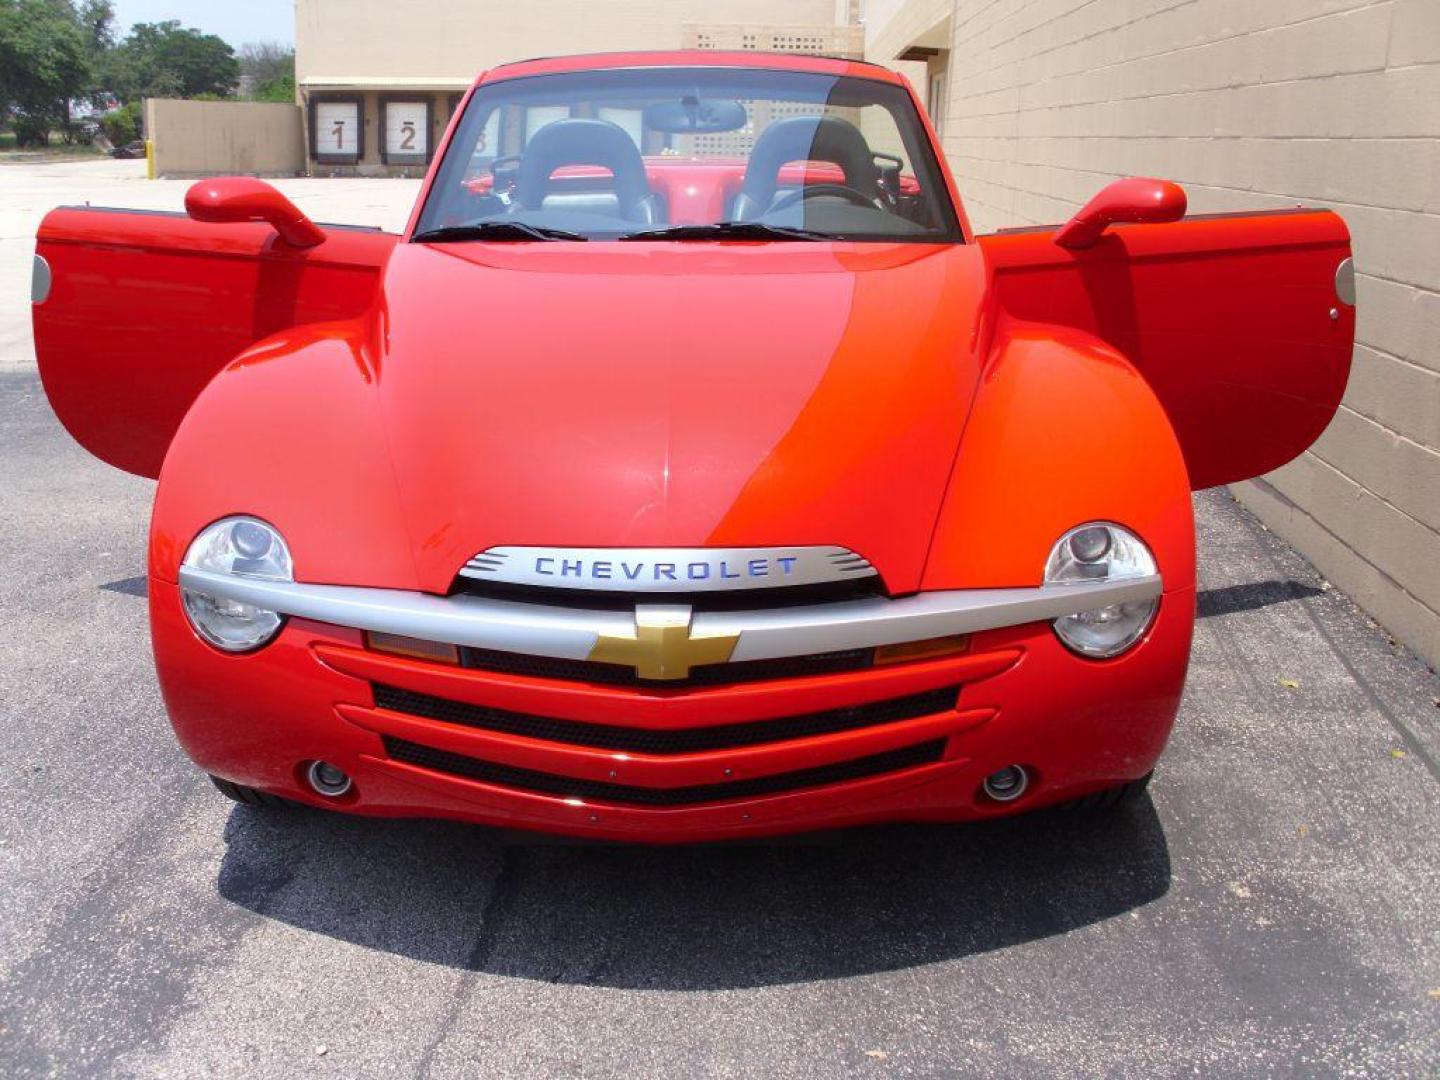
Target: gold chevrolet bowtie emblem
x,y
662,644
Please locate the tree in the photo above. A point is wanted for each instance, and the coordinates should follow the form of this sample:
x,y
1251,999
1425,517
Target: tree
x,y
43,64
165,60
267,71
97,22
266,61
96,19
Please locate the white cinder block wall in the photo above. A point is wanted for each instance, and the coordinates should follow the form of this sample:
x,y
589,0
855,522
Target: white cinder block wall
x,y
1250,104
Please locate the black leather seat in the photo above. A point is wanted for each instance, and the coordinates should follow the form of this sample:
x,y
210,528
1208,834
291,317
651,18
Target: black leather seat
x,y
587,142
804,138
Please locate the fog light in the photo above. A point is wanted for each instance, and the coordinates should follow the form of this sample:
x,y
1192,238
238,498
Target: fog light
x,y
1007,784
327,779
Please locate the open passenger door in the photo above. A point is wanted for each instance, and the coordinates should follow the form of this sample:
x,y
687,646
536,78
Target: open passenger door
x,y
1243,324
135,311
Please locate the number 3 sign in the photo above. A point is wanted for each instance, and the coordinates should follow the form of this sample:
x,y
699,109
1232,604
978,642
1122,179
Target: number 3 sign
x,y
407,132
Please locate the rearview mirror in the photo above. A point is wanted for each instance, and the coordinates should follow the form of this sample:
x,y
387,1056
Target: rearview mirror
x,y
243,198
1135,200
691,115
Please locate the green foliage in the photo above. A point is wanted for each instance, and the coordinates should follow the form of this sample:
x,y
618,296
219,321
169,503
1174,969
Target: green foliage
x,y
32,130
123,125
281,90
167,60
43,64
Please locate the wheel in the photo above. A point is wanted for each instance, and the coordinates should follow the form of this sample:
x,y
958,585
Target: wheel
x,y
1111,798
249,796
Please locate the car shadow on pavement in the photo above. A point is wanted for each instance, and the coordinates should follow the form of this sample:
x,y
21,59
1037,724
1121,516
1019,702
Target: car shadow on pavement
x,y
693,918
1249,596
131,586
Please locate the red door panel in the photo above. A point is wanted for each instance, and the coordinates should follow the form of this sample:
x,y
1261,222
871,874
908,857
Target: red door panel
x,y
144,308
1234,320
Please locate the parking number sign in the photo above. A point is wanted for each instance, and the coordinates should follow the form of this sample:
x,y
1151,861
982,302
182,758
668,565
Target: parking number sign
x,y
407,132
337,130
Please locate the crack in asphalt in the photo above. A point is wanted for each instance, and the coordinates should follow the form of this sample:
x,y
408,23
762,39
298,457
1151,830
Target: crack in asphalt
x,y
493,915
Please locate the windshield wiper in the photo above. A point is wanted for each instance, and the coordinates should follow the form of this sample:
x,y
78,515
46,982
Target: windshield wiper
x,y
727,230
494,230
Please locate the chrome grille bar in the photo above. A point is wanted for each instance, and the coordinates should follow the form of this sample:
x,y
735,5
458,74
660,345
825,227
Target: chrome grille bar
x,y
571,633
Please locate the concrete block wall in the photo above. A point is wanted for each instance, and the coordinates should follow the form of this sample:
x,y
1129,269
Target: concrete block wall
x,y
202,138
1252,104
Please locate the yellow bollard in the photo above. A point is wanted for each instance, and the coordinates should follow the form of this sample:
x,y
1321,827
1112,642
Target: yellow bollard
x,y
150,159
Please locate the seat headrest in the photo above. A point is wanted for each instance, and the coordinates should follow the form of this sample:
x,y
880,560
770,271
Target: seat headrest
x,y
809,138
581,142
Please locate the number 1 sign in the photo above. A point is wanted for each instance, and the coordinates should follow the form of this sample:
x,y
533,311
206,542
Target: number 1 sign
x,y
337,131
407,132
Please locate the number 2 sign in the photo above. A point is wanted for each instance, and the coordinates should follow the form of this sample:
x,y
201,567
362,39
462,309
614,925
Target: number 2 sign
x,y
337,131
407,132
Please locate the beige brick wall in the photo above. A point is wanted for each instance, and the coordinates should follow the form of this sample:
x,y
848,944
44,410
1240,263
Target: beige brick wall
x,y
338,41
1250,104
848,41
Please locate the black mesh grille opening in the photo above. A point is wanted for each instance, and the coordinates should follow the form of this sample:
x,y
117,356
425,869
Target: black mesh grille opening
x,y
649,741
853,588
490,772
546,667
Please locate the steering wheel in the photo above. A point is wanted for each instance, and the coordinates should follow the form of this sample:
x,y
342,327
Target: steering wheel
x,y
821,191
504,170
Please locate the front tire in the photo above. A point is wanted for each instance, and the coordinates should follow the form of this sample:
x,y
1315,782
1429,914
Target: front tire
x,y
1110,799
249,796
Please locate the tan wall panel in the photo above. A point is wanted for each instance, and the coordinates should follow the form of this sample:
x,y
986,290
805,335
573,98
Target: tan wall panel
x,y
208,137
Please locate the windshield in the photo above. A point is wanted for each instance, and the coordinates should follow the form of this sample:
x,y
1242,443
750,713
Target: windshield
x,y
689,153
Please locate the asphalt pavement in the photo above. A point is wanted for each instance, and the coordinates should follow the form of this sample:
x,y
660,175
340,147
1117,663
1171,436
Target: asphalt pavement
x,y
1269,910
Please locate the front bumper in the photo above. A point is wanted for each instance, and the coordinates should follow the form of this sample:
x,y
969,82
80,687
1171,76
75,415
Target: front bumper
x,y
1020,698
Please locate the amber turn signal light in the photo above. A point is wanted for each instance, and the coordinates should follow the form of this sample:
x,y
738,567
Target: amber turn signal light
x,y
928,649
415,648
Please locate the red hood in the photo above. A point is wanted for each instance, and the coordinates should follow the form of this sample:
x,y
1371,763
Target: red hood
x,y
676,395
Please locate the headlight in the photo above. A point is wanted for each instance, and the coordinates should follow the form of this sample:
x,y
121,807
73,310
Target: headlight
x,y
245,547
1101,551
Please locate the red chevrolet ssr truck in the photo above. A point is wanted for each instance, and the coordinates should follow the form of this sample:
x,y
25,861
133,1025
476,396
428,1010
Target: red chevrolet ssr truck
x,y
688,468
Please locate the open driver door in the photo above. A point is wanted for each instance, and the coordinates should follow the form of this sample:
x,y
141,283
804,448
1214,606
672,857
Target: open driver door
x,y
135,311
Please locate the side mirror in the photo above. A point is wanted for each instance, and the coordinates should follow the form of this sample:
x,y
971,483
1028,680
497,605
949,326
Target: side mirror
x,y
243,198
1136,200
